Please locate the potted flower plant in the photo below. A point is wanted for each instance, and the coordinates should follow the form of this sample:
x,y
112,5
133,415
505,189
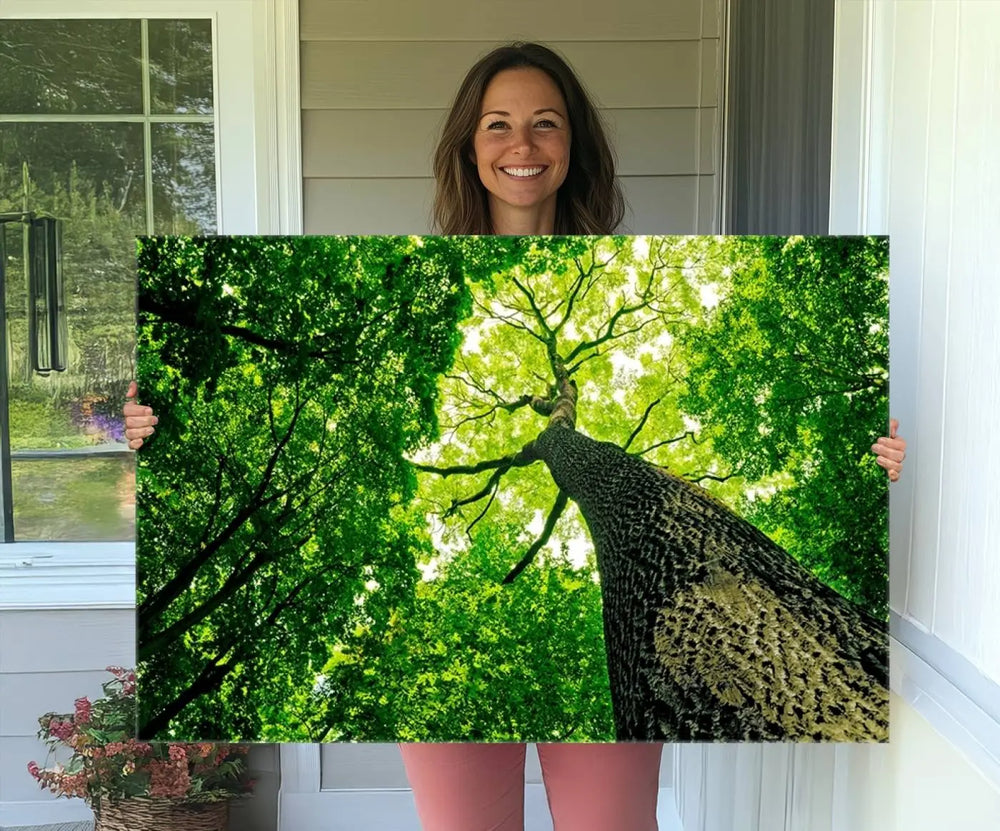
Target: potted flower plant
x,y
132,784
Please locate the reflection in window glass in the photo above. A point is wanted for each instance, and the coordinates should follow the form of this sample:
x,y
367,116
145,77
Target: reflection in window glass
x,y
75,499
90,176
70,66
180,66
75,170
184,178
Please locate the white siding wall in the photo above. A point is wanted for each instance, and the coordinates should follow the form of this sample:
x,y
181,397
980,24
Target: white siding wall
x,y
49,658
377,78
936,179
915,156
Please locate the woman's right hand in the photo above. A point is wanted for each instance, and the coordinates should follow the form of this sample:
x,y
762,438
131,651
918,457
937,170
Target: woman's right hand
x,y
139,420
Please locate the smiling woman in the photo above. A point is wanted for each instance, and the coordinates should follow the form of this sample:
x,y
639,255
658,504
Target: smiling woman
x,y
520,108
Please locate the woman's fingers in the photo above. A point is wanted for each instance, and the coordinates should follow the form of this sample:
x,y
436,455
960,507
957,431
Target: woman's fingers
x,y
894,449
890,451
139,420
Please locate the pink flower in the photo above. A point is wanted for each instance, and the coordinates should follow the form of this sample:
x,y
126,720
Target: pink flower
x,y
62,730
177,753
34,770
168,778
83,710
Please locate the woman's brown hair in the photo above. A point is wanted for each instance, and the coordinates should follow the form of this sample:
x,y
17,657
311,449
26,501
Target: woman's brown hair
x,y
590,200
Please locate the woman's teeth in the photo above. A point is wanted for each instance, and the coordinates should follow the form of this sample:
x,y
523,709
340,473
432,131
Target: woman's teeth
x,y
523,172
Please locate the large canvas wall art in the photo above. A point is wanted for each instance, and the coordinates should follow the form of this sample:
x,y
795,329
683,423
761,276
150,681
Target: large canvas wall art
x,y
513,488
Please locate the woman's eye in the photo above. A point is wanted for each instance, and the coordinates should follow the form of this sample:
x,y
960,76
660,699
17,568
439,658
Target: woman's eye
x,y
496,125
545,122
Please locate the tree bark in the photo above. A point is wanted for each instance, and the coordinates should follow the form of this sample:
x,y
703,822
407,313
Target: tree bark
x,y
713,632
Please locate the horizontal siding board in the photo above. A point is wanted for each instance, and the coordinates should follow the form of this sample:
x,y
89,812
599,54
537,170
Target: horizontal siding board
x,y
24,696
77,640
711,71
368,206
375,143
708,205
657,205
382,75
711,18
652,142
707,140
16,784
661,204
400,143
374,20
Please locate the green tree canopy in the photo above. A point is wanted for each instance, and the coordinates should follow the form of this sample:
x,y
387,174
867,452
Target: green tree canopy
x,y
284,531
291,376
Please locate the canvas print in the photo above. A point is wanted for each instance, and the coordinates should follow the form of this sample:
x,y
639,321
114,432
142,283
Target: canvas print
x,y
513,488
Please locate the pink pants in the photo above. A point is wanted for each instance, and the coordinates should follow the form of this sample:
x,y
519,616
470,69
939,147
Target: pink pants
x,y
480,787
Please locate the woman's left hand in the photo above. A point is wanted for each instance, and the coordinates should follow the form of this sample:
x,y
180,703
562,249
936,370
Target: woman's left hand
x,y
891,450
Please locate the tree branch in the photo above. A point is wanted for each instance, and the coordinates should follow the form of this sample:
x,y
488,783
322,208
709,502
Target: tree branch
x,y
522,458
686,434
712,476
640,425
539,317
557,508
183,315
508,406
489,488
161,640
482,513
159,600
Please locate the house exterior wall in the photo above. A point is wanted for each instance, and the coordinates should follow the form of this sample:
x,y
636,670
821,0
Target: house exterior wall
x,y
49,658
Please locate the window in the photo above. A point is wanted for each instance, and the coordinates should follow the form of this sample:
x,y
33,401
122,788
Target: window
x,y
109,127
194,106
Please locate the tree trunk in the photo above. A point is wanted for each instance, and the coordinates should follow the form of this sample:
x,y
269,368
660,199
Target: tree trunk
x,y
713,632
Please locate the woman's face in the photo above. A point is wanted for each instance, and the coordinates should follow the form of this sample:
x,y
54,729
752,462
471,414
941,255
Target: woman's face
x,y
521,146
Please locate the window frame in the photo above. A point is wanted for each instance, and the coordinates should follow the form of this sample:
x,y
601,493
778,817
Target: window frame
x,y
258,190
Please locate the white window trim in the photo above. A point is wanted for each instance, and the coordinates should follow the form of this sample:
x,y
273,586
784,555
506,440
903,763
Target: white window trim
x,y
936,680
959,702
259,174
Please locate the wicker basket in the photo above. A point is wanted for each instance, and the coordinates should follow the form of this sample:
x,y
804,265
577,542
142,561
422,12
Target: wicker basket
x,y
148,814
